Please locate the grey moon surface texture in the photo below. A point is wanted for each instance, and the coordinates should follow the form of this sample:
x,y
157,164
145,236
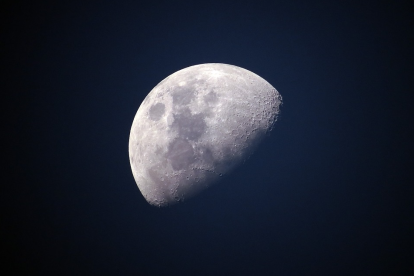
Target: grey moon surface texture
x,y
196,125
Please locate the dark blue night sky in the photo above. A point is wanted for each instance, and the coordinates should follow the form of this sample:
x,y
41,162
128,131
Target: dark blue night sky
x,y
328,193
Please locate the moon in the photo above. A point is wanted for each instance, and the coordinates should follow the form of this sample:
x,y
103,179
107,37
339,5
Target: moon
x,y
196,125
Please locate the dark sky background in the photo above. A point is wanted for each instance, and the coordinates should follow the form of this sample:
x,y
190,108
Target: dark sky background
x,y
328,193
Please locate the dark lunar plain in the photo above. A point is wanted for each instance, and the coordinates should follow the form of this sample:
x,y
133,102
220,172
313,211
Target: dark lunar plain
x,y
329,192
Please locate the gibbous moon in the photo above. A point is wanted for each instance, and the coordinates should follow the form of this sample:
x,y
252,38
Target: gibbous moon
x,y
196,125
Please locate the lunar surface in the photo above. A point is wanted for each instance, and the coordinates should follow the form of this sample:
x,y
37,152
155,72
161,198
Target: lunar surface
x,y
196,125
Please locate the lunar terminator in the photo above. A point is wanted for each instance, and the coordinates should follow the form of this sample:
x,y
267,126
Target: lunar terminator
x,y
196,125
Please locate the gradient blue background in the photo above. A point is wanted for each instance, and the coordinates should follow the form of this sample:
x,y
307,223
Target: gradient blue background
x,y
328,193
